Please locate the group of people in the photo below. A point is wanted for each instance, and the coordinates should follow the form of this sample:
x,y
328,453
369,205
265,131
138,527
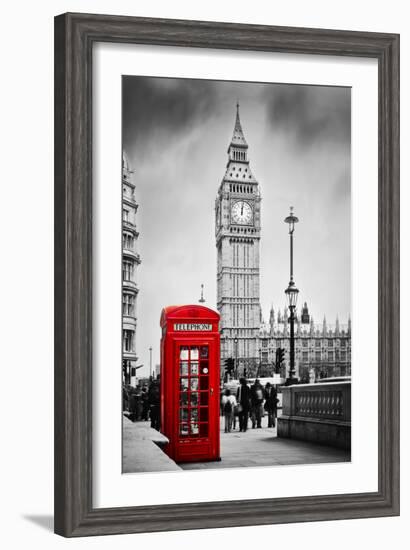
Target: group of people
x,y
249,402
143,403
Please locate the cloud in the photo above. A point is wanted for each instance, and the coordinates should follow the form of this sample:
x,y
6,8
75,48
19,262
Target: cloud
x,y
176,133
310,113
170,107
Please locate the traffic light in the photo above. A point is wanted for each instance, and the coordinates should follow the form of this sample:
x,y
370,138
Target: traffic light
x,y
280,357
229,366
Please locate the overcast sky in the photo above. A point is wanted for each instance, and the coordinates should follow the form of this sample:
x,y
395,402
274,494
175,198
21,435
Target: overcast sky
x,y
176,133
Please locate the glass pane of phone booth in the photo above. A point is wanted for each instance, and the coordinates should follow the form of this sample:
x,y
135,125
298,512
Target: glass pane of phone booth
x,y
193,391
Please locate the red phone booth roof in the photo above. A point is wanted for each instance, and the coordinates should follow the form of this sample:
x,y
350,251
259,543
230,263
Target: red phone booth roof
x,y
188,312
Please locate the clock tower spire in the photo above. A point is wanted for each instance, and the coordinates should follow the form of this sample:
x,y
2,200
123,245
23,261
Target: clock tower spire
x,y
237,231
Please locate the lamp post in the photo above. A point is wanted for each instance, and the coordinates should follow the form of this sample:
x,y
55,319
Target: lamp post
x,y
236,357
292,297
150,363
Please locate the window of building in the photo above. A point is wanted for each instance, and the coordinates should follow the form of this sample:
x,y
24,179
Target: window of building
x,y
127,270
125,215
304,343
128,304
128,340
317,343
343,343
305,356
343,355
317,355
127,241
330,356
330,343
264,343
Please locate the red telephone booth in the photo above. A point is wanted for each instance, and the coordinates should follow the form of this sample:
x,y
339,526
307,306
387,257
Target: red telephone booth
x,y
190,365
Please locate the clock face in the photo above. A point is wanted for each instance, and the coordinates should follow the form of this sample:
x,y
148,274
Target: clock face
x,y
241,213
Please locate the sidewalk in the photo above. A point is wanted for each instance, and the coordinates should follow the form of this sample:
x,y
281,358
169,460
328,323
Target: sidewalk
x,y
261,447
141,450
258,447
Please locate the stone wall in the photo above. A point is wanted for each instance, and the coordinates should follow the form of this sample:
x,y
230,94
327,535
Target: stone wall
x,y
320,413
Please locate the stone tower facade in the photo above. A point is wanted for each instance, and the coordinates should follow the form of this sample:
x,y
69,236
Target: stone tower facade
x,y
237,231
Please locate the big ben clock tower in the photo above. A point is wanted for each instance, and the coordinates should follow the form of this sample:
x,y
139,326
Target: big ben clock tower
x,y
237,230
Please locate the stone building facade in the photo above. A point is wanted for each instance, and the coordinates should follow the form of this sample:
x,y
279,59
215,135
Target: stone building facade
x,y
237,231
321,349
130,261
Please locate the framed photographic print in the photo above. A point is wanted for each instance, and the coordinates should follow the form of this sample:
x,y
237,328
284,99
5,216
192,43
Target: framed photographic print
x,y
226,274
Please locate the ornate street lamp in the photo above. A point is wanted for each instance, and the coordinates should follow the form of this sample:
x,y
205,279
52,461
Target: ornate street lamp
x,y
292,297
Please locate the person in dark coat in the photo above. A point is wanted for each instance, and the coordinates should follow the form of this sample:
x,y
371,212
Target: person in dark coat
x,y
133,401
154,404
271,404
257,404
243,397
145,403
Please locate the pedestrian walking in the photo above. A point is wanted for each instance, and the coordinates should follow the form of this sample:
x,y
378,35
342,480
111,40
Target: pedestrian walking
x,y
139,405
125,399
271,404
243,396
133,400
154,404
228,406
257,411
145,403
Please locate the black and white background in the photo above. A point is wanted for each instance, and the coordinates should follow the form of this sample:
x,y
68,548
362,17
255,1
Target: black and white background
x,y
175,135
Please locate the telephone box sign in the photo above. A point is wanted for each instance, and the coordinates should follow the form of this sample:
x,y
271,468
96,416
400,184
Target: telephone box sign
x,y
192,326
190,366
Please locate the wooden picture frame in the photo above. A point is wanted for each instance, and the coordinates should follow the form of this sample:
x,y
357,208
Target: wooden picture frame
x,y
75,35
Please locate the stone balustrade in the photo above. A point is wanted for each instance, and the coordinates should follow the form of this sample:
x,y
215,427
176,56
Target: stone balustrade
x,y
317,412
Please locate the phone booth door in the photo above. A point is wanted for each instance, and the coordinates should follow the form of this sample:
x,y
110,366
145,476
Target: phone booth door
x,y
195,391
198,403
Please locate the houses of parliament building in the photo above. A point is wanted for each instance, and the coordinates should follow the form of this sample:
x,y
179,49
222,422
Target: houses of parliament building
x,y
322,348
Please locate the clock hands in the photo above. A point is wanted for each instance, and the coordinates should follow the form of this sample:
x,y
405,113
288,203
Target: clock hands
x,y
241,212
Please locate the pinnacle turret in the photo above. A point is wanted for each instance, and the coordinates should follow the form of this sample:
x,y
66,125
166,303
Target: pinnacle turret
x,y
238,138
